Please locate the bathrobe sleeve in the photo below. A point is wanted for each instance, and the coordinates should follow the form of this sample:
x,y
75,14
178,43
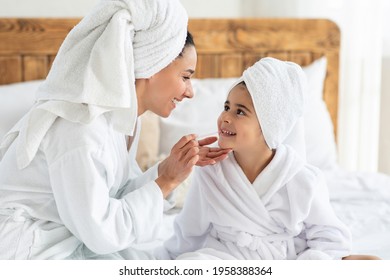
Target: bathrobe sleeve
x,y
191,226
82,164
143,178
327,237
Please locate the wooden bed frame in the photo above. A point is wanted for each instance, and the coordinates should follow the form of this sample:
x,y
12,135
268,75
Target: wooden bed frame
x,y
225,47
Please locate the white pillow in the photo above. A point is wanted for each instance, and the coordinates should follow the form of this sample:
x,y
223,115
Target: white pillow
x,y
321,148
15,100
199,115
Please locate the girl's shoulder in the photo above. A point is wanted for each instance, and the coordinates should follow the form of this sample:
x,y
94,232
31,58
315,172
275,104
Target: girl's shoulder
x,y
308,179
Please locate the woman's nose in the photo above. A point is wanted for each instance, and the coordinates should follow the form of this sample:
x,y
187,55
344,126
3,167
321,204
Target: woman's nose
x,y
189,92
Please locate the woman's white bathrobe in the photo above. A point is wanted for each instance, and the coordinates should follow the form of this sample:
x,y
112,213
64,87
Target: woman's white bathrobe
x,y
82,187
284,214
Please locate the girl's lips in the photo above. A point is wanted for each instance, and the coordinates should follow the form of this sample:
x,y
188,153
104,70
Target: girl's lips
x,y
227,133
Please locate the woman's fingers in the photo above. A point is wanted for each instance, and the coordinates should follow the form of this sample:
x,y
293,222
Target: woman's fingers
x,y
184,155
207,141
192,162
188,152
214,160
205,162
178,165
209,156
221,157
212,153
217,153
184,141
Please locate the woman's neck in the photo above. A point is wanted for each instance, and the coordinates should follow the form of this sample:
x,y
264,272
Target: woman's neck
x,y
140,92
253,163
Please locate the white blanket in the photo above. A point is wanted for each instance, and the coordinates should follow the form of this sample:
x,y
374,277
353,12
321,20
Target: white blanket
x,y
228,217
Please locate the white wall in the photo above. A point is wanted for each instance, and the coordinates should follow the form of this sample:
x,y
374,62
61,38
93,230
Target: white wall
x,y
45,8
79,8
213,8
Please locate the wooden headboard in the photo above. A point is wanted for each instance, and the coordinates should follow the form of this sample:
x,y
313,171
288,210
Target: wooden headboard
x,y
225,47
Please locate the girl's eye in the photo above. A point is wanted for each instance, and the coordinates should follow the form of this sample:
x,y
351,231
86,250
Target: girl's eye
x,y
240,112
186,78
226,108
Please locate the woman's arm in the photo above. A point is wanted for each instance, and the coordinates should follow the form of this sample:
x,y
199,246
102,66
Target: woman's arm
x,y
105,224
185,154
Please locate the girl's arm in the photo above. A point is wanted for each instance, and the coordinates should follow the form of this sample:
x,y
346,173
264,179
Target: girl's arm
x,y
327,237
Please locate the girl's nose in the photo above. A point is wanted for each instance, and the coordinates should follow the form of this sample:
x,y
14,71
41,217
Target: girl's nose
x,y
225,117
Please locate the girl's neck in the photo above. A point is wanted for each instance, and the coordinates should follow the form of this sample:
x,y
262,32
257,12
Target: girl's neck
x,y
252,164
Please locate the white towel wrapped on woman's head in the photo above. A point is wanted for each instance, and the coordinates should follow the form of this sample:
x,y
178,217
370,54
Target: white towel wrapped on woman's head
x,y
95,69
119,41
278,91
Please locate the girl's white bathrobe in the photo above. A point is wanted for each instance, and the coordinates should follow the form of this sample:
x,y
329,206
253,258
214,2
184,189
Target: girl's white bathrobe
x,y
82,196
284,214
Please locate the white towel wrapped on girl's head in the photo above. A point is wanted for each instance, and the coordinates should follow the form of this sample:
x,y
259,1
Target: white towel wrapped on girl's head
x,y
277,89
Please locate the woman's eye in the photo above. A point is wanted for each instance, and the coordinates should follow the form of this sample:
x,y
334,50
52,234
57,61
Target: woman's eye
x,y
186,78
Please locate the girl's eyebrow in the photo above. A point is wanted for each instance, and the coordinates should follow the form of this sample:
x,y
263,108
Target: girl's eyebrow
x,y
227,102
244,107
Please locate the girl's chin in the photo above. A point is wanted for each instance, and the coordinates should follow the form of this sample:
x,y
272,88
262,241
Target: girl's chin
x,y
223,145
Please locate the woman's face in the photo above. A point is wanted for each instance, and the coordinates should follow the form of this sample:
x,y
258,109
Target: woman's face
x,y
238,126
171,85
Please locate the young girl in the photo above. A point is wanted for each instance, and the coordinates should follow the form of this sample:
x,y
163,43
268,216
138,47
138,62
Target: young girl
x,y
264,201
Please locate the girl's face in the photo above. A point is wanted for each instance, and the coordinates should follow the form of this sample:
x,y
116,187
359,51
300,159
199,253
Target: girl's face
x,y
238,125
171,85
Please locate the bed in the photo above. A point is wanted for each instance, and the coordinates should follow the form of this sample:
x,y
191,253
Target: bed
x,y
225,48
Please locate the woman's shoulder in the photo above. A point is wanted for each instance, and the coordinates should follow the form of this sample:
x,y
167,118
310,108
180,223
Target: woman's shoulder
x,y
79,131
65,135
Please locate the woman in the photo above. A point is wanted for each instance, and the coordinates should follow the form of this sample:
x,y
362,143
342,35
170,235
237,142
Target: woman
x,y
69,183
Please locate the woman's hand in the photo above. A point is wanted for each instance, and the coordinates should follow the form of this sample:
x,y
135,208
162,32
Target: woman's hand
x,y
209,155
178,165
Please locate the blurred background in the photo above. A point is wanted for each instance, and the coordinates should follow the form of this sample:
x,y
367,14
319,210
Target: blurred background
x,y
364,132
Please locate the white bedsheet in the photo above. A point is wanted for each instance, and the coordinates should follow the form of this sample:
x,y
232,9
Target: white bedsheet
x,y
362,202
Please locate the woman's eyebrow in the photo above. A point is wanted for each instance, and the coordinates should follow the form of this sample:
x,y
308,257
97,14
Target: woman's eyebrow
x,y
190,71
